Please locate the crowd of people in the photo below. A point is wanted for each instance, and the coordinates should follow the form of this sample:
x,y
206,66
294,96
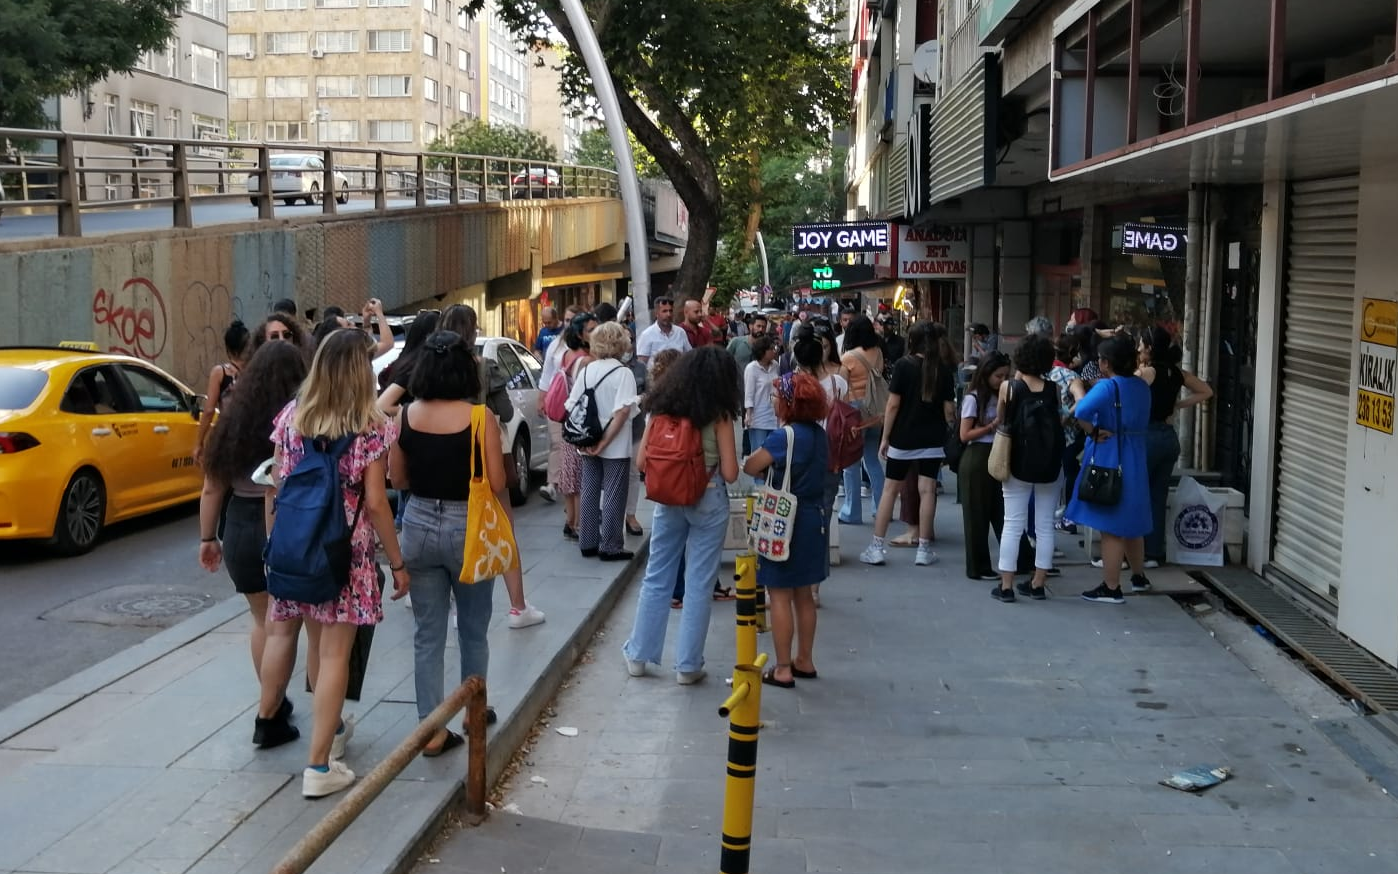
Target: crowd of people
x,y
1070,431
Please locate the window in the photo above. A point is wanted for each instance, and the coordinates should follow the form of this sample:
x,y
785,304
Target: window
x,y
206,127
286,131
172,58
206,66
463,101
463,59
143,118
337,86
242,6
286,43
429,89
339,131
247,131
382,3
283,5
207,8
463,19
337,4
94,392
429,132
390,131
337,40
240,44
243,87
155,392
172,124
146,61
287,86
390,40
429,45
112,104
430,6
515,377
390,86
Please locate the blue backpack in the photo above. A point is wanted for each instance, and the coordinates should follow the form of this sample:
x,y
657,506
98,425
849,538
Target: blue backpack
x,y
308,549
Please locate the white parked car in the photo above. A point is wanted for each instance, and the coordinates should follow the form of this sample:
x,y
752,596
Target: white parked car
x,y
527,431
296,177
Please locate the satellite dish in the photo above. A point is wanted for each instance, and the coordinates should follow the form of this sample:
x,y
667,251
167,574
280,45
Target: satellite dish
x,y
927,62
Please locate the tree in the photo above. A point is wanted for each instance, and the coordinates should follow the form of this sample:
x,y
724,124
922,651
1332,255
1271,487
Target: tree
x,y
475,137
595,150
704,85
53,47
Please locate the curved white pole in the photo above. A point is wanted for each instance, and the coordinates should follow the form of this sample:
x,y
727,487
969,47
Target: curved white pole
x,y
621,147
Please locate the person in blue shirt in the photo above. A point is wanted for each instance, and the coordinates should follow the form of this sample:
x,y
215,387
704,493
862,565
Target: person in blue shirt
x,y
551,328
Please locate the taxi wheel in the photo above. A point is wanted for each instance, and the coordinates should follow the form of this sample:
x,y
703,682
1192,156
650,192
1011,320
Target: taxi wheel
x,y
519,493
80,514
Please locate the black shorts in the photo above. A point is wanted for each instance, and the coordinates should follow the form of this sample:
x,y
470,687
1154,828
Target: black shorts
x,y
244,536
899,468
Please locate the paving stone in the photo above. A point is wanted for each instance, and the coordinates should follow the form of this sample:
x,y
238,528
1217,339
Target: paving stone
x,y
915,855
624,846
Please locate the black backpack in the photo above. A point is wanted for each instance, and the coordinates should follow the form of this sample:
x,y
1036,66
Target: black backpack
x,y
1036,454
583,426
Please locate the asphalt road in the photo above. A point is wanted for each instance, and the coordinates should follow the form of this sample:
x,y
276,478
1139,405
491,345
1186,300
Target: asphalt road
x,y
61,615
160,216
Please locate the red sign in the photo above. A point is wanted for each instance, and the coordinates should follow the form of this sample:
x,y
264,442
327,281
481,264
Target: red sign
x,y
932,252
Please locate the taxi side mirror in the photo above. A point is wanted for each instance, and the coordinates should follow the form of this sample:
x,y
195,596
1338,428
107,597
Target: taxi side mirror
x,y
196,406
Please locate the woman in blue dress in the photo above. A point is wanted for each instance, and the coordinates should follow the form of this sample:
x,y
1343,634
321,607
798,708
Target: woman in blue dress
x,y
801,406
1115,414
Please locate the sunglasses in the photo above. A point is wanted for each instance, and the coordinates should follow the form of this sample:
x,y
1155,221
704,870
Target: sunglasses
x,y
278,335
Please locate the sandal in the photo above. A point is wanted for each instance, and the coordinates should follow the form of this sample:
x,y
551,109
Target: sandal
x,y
676,603
722,593
803,675
453,741
769,678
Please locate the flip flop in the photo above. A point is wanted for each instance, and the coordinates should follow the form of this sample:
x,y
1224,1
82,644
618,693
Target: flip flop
x,y
769,678
723,593
676,603
804,675
453,741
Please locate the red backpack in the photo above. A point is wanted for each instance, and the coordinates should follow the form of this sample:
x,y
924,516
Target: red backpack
x,y
675,471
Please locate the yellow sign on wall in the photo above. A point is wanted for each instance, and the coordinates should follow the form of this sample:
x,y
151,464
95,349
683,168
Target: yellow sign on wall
x,y
1378,360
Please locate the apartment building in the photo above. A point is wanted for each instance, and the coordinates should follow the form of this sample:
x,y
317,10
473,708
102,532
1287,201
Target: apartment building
x,y
550,116
388,74
177,92
508,72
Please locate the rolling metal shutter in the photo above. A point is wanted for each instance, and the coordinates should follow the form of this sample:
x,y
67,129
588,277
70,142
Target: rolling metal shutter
x,y
1316,355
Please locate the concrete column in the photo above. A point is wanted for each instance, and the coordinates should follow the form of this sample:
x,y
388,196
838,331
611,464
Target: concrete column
x,y
980,284
1267,388
1016,276
1092,254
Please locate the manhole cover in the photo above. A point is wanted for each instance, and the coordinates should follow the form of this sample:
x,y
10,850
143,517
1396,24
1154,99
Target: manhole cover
x,y
141,606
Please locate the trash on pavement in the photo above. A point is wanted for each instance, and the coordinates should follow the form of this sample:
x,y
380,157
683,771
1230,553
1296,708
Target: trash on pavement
x,y
1198,778
567,731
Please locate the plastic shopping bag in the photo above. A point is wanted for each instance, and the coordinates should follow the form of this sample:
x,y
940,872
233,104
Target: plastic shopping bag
x,y
1194,525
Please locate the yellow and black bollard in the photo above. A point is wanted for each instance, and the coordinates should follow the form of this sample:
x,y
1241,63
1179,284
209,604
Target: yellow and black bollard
x,y
744,709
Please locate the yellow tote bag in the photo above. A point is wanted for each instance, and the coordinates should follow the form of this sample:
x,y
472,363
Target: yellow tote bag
x,y
490,538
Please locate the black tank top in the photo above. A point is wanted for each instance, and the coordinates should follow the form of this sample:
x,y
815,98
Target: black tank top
x,y
439,465
1165,393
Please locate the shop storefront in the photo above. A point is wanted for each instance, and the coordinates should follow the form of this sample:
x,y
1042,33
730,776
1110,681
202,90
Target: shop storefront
x,y
1146,249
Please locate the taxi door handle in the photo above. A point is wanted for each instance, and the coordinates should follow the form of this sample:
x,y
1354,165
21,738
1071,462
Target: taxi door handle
x,y
101,432
162,429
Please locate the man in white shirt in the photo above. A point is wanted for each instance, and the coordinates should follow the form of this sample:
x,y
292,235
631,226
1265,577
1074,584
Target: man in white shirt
x,y
846,315
662,334
553,363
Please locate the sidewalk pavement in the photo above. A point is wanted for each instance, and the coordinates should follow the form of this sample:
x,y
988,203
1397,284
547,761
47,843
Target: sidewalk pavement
x,y
143,764
951,733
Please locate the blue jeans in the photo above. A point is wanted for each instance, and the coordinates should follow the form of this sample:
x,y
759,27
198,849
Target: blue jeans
x,y
852,511
756,438
1162,451
434,537
696,533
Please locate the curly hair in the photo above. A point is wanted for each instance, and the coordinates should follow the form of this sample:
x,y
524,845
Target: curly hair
x,y
799,398
242,438
609,340
678,393
291,325
1034,355
661,362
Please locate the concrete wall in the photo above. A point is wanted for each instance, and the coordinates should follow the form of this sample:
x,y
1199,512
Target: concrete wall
x,y
167,296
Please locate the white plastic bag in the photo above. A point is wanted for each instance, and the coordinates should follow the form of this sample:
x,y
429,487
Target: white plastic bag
x,y
1194,526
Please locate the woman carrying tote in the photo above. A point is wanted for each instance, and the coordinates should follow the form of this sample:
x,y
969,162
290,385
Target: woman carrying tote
x,y
432,457
1115,415
863,362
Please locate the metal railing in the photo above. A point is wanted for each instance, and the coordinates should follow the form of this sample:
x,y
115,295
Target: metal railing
x,y
470,695
88,172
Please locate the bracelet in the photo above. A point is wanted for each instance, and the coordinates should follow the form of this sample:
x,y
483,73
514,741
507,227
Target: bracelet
x,y
208,540
396,569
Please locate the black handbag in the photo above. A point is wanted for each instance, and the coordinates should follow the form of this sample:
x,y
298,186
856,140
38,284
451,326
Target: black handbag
x,y
1101,485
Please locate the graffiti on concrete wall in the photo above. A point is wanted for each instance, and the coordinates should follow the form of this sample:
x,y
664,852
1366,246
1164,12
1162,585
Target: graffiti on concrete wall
x,y
132,319
207,310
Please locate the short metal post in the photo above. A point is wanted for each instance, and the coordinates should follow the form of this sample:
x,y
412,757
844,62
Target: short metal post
x,y
380,181
744,709
327,186
421,179
70,205
455,180
184,209
264,186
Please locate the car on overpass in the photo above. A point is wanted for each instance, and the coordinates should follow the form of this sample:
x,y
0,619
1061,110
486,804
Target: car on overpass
x,y
536,182
87,439
296,177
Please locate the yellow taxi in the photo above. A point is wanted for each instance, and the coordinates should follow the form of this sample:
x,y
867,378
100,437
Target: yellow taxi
x,y
87,439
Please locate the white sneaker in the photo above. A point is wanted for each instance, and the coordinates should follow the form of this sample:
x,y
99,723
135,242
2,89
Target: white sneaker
x,y
873,554
689,678
1097,562
1151,564
864,492
635,668
337,746
548,494
530,615
925,556
315,784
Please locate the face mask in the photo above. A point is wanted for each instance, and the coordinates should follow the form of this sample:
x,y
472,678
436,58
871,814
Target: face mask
x,y
626,359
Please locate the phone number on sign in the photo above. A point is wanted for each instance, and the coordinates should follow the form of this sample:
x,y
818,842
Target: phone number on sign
x,y
1374,411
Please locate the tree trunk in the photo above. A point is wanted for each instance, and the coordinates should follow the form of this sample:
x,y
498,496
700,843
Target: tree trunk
x,y
699,254
754,223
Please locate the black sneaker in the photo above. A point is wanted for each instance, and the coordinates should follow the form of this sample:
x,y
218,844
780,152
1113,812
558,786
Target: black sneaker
x,y
1006,595
1104,595
1026,588
1139,583
1054,572
269,733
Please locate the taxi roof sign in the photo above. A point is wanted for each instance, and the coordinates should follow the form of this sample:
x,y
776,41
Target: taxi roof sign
x,y
79,345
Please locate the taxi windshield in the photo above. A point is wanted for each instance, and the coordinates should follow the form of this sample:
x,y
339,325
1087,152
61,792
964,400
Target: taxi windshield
x,y
19,387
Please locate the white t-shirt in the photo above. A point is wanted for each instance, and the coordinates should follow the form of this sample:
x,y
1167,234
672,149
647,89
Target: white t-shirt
x,y
553,362
617,391
653,340
757,394
970,410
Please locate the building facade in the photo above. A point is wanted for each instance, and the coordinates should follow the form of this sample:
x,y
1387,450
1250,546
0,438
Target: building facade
x,y
384,74
551,116
506,98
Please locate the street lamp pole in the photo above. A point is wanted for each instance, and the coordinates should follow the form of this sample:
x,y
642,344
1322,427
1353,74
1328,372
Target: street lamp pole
x,y
621,147
766,278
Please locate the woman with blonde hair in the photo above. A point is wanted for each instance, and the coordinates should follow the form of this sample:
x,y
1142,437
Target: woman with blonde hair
x,y
335,401
605,463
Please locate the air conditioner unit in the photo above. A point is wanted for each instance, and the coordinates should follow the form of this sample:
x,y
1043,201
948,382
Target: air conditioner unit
x,y
248,56
317,54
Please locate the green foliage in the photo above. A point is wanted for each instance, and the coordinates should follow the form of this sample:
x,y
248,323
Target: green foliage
x,y
53,47
595,150
476,137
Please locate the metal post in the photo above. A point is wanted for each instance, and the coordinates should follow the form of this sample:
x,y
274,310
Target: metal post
x,y
470,694
744,709
421,197
1193,64
1133,75
380,193
626,165
328,193
1276,51
1090,85
264,188
184,211
766,276
1193,278
70,205
455,180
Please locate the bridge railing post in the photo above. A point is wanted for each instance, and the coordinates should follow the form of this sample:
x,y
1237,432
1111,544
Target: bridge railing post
x,y
421,196
380,182
70,204
264,185
329,193
455,180
183,206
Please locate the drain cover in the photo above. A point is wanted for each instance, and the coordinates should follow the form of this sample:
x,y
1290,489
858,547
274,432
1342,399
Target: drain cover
x,y
140,606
